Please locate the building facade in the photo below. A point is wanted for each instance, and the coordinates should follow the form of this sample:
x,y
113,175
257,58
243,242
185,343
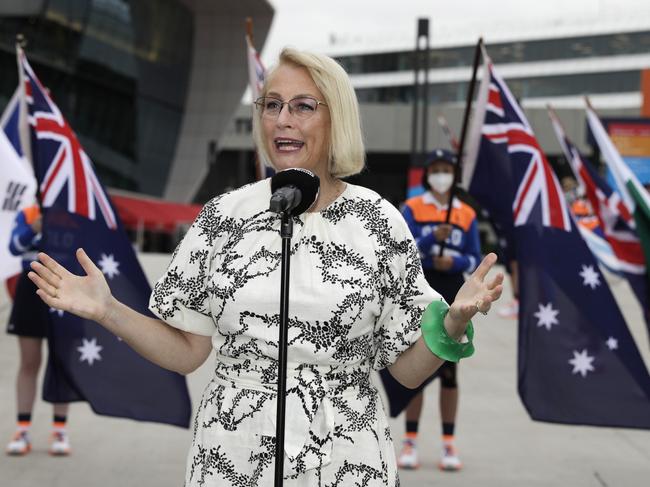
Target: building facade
x,y
153,88
148,86
607,66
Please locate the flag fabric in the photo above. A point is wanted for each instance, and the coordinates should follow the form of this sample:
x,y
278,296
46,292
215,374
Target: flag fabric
x,y
256,75
577,361
635,197
14,124
615,219
453,141
599,246
16,191
17,185
256,70
86,362
10,122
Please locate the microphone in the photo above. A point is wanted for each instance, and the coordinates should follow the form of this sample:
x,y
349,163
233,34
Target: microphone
x,y
294,191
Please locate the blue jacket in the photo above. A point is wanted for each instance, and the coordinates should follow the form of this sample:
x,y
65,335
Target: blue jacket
x,y
24,241
424,213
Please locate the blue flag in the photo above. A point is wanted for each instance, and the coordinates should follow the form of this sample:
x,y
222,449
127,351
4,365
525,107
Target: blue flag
x,y
10,122
577,362
615,219
86,362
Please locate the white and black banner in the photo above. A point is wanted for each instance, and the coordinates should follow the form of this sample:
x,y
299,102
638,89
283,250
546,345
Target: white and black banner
x,y
17,188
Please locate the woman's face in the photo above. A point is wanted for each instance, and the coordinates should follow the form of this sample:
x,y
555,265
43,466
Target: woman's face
x,y
440,176
292,141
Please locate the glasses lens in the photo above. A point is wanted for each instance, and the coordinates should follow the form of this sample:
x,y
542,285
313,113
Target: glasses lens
x,y
303,107
270,106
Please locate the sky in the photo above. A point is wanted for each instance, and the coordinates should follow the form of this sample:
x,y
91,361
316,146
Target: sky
x,y
337,26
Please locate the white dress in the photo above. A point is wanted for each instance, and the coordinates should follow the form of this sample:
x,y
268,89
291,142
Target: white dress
x,y
357,293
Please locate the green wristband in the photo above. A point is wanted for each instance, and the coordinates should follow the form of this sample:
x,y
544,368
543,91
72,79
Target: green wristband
x,y
436,337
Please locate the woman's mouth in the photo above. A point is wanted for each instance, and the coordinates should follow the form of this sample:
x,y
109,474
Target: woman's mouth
x,y
287,145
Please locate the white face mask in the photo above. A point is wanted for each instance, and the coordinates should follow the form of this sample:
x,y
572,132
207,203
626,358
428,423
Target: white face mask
x,y
441,181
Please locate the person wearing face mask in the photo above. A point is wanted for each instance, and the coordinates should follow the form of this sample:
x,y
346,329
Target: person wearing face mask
x,y
426,215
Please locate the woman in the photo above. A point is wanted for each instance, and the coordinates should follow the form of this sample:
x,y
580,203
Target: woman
x,y
426,216
357,299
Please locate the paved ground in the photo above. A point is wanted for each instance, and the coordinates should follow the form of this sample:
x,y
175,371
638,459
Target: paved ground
x,y
500,445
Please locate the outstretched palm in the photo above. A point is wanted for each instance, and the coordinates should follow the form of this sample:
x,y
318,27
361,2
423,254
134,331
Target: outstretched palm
x,y
476,294
86,296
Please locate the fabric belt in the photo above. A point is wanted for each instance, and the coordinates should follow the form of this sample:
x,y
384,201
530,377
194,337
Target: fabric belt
x,y
309,409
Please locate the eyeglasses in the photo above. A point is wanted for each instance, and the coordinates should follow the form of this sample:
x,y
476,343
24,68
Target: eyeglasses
x,y
302,107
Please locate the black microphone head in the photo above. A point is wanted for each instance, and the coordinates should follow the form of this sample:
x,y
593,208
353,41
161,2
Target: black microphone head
x,y
306,181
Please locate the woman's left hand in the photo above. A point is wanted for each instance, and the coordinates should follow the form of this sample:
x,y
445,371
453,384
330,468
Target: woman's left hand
x,y
476,295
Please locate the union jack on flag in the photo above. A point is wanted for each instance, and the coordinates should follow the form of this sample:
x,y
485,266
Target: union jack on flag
x,y
577,361
614,216
64,166
86,362
506,124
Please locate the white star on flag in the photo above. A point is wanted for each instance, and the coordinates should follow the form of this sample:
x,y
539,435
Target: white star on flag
x,y
57,311
109,265
547,316
590,277
581,363
612,343
89,351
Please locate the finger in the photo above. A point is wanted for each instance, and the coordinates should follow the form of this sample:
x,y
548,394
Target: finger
x,y
42,284
498,279
47,299
485,303
485,266
86,262
46,274
496,292
52,264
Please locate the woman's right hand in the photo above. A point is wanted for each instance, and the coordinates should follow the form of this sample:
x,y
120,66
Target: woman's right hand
x,y
86,296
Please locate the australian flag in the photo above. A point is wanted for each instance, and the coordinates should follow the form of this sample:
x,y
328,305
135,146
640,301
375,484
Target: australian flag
x,y
614,217
86,362
577,362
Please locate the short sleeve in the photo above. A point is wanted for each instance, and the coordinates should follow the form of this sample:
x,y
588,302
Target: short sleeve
x,y
180,297
405,294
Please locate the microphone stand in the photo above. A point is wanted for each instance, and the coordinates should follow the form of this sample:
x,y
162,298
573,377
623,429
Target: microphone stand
x,y
286,232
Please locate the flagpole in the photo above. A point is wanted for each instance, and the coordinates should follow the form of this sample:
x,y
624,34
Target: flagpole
x,y
25,141
553,116
463,134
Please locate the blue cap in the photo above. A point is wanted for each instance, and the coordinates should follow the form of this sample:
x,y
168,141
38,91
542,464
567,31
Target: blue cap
x,y
441,155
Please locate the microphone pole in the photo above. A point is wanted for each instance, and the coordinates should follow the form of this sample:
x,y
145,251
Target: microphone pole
x,y
286,232
293,191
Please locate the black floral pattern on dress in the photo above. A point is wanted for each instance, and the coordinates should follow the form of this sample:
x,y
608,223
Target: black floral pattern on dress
x,y
357,295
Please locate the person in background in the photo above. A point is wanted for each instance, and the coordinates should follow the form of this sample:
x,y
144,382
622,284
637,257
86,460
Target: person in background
x,y
579,204
28,321
426,215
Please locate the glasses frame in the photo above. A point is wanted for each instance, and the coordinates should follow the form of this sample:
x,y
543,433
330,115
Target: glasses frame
x,y
260,105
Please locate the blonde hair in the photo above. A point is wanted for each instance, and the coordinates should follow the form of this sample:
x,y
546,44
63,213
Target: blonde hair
x,y
346,152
